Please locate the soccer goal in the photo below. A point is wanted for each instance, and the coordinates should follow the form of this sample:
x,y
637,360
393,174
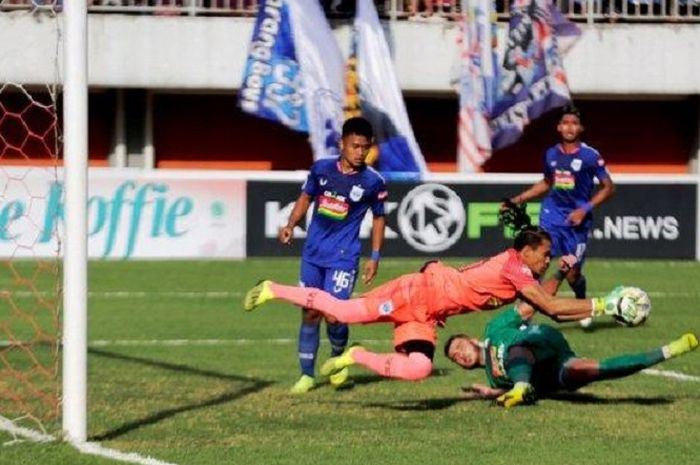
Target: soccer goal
x,y
43,159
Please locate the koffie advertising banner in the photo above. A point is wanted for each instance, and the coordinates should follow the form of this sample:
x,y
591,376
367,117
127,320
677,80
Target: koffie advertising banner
x,y
437,220
131,214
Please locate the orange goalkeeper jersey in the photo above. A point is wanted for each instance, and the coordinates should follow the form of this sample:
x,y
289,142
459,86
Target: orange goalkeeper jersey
x,y
484,285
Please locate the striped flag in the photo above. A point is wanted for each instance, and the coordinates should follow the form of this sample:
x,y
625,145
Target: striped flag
x,y
476,85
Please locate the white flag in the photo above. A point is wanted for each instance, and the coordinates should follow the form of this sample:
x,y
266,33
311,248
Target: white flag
x,y
381,101
322,67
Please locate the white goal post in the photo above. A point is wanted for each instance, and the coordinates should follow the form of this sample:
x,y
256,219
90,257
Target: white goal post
x,y
75,93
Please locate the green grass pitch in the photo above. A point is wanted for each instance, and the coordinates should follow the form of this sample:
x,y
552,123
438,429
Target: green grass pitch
x,y
177,371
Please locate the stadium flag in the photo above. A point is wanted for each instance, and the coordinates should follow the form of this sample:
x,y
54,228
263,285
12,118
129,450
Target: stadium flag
x,y
476,84
294,72
532,79
380,98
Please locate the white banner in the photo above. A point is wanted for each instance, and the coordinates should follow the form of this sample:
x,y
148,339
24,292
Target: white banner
x,y
322,69
131,214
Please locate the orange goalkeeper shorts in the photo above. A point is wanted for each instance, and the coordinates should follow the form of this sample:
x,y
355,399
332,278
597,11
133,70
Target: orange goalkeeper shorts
x,y
403,301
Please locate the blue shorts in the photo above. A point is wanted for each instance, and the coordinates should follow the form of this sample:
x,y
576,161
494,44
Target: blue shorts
x,y
568,240
337,281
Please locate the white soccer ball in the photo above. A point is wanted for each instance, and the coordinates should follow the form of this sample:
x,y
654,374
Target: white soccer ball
x,y
634,307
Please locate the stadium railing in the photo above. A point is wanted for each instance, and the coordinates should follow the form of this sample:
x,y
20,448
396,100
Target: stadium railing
x,y
627,11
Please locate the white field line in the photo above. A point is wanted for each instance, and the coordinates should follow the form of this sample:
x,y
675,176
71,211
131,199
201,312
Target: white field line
x,y
91,448
670,374
239,294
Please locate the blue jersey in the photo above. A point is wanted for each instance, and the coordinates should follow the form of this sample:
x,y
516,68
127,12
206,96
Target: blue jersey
x,y
571,176
340,204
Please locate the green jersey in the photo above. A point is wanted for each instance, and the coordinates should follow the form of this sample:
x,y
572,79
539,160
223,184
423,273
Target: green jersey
x,y
548,345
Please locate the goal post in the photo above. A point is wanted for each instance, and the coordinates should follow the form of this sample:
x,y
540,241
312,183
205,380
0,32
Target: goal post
x,y
75,94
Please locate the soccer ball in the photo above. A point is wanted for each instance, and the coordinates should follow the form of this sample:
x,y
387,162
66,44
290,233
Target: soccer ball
x,y
633,308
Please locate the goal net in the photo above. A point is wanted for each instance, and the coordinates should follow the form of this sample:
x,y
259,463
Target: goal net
x,y
29,245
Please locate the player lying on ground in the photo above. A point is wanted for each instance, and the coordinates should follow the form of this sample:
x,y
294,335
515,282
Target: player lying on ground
x,y
416,303
524,361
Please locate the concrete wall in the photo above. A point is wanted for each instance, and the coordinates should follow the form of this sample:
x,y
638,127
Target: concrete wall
x,y
208,53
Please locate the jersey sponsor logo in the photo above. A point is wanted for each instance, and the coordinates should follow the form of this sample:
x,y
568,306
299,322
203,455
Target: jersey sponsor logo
x,y
497,366
576,164
527,271
431,218
386,308
333,206
356,193
564,180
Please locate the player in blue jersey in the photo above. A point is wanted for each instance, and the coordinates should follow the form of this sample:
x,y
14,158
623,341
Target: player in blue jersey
x,y
342,190
570,168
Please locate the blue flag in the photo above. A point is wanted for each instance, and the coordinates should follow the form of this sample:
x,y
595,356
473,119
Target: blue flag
x,y
532,79
294,72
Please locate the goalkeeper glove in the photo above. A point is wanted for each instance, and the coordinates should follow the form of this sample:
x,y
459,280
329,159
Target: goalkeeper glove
x,y
522,393
612,304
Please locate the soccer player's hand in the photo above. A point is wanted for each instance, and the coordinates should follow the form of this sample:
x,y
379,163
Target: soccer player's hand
x,y
521,394
480,391
370,271
285,235
566,263
576,217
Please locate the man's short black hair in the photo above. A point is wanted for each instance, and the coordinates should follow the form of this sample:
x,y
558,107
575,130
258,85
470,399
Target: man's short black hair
x,y
532,236
570,109
446,348
358,125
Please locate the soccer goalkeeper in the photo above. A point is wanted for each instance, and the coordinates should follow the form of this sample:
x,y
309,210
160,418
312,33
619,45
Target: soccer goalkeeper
x,y
416,303
524,361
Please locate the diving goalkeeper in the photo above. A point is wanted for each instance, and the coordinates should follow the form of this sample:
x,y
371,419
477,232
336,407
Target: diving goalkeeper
x,y
417,303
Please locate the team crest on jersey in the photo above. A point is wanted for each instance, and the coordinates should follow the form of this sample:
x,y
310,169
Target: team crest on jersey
x,y
576,164
356,193
386,308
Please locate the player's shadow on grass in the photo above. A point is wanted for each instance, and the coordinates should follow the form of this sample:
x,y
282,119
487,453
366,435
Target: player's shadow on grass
x,y
360,380
417,405
587,398
596,326
253,385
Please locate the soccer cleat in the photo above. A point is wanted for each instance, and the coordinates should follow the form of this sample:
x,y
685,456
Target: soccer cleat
x,y
682,345
303,385
522,393
335,364
258,295
341,379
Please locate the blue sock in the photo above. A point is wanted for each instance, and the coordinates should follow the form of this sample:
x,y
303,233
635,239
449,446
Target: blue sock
x,y
309,336
338,336
579,287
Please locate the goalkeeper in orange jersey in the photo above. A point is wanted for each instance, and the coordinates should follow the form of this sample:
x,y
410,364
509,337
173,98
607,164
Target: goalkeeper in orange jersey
x,y
417,303
524,361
